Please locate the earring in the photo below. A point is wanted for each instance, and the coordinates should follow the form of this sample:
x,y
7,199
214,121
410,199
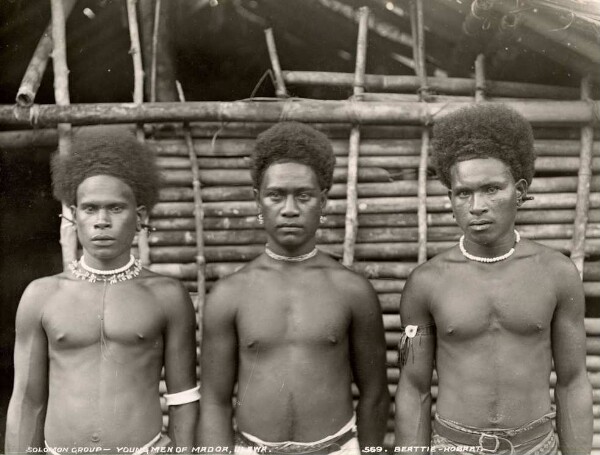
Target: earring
x,y
322,219
260,218
519,201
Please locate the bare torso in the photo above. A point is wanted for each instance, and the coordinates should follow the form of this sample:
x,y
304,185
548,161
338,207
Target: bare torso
x,y
105,349
493,325
294,373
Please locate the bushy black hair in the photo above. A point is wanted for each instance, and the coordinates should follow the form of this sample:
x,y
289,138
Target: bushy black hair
x,y
484,131
106,150
293,142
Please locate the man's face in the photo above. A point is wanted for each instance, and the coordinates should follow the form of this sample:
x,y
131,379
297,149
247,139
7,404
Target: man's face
x,y
106,217
291,202
484,199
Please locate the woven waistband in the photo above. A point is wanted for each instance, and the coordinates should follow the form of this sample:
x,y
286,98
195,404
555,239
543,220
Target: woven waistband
x,y
490,440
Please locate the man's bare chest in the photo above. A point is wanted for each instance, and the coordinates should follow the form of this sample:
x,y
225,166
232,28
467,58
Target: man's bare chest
x,y
78,320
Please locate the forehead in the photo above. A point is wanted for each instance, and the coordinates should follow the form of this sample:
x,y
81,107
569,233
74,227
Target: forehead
x,y
104,188
290,175
479,171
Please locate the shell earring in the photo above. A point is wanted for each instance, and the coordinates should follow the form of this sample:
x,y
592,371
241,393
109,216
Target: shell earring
x,y
322,219
260,218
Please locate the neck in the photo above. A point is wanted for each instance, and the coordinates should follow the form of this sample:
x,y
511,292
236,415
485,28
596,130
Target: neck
x,y
286,257
106,264
500,247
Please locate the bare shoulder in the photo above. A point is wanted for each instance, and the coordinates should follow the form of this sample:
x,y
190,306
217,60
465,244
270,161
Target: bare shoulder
x,y
168,292
554,264
226,293
425,276
36,295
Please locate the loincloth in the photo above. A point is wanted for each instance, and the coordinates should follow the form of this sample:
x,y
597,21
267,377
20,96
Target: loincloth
x,y
343,442
534,438
160,440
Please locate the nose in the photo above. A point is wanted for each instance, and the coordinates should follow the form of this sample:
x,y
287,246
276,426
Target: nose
x,y
478,204
290,208
102,219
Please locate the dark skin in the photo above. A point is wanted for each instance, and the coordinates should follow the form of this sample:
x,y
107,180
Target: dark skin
x,y
495,342
82,384
292,335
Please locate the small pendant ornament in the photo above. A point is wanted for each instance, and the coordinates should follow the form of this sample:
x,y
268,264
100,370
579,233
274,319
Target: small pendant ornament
x,y
129,271
472,257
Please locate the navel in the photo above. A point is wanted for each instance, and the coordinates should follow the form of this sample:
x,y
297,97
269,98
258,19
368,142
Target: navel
x,y
251,344
140,336
332,339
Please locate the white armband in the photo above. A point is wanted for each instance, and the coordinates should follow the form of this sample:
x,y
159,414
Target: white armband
x,y
183,397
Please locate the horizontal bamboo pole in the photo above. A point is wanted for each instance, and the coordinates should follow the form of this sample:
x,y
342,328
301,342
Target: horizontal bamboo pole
x,y
365,235
364,251
242,147
373,270
524,216
542,164
365,205
385,189
453,86
549,141
242,176
536,112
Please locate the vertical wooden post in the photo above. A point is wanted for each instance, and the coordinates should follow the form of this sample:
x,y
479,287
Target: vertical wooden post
x,y
138,98
154,51
583,185
198,220
351,227
280,89
418,33
68,234
480,78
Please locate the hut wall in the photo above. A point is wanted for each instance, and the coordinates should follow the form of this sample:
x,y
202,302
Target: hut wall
x,y
386,245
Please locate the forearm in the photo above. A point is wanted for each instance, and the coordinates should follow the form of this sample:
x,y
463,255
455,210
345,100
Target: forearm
x,y
574,417
372,414
24,426
215,428
412,418
183,420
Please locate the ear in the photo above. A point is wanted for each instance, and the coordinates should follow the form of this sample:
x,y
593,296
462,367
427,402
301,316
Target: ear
x,y
521,190
257,198
323,199
142,215
73,213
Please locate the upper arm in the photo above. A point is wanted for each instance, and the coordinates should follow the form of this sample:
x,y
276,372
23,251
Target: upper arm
x,y
568,331
219,344
180,337
367,338
31,345
415,311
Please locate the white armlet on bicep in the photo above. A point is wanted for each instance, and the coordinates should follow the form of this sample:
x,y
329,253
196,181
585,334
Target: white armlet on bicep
x,y
183,397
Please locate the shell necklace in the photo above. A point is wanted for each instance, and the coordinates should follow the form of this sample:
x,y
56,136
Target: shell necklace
x,y
301,258
461,245
129,271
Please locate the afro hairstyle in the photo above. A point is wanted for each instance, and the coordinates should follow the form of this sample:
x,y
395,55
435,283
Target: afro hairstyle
x,y
484,131
293,142
106,150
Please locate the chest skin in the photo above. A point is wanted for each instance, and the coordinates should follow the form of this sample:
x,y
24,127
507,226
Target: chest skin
x,y
477,299
127,316
302,312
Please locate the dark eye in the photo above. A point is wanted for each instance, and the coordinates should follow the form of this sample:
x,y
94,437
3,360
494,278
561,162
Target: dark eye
x,y
303,197
274,195
116,209
88,209
462,194
492,189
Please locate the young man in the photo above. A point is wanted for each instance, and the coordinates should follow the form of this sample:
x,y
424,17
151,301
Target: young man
x,y
494,312
91,341
293,328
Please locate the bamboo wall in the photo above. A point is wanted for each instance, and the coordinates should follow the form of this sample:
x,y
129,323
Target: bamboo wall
x,y
386,245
